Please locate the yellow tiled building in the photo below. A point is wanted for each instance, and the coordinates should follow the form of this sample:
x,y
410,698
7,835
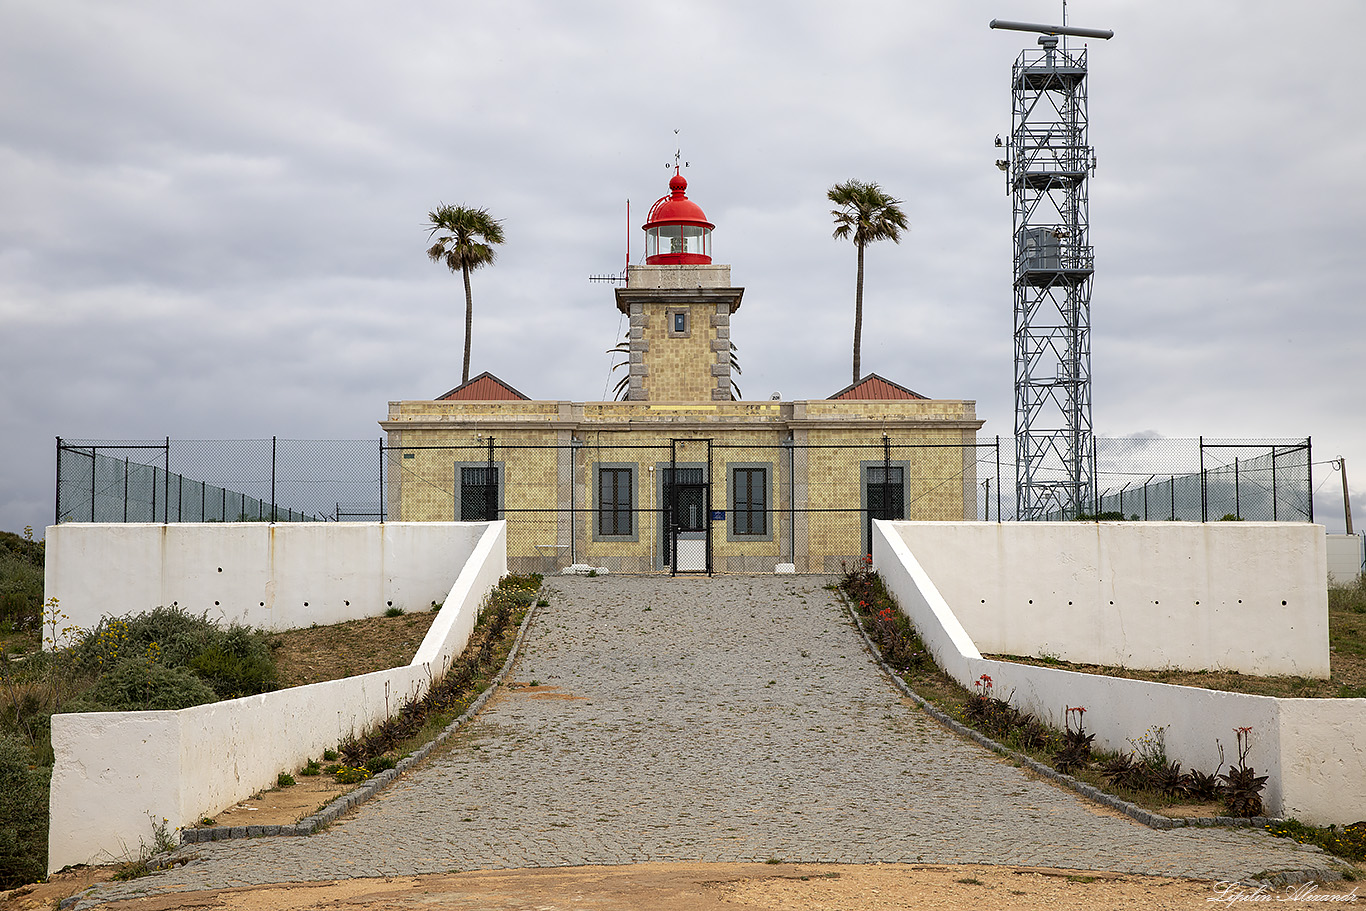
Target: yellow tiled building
x,y
679,475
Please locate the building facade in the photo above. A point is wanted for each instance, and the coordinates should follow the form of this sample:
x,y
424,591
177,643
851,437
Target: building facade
x,y
679,475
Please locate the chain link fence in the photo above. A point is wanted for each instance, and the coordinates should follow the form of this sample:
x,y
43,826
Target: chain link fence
x,y
216,480
1204,480
688,505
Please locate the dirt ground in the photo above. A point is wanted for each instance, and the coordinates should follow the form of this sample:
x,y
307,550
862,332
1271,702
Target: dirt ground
x,y
732,887
356,647
284,806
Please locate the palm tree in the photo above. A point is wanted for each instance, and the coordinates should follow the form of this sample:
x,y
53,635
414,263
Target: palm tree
x,y
463,239
867,214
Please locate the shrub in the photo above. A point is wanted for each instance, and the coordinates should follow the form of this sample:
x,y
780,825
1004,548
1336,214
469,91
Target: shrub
x,y
379,764
135,685
233,662
238,664
23,817
21,581
179,636
351,775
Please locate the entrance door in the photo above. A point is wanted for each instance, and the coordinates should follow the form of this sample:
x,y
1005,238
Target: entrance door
x,y
686,504
885,496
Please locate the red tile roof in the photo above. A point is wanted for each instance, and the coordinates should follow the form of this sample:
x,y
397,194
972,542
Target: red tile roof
x,y
484,388
873,386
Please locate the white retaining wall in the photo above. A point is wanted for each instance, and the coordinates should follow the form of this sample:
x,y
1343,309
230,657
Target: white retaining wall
x,y
1306,746
1346,557
285,576
117,771
1244,596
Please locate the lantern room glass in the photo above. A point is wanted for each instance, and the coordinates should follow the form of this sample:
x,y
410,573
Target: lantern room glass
x,y
666,240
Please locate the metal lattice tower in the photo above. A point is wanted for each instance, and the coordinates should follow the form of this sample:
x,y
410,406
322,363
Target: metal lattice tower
x,y
1048,163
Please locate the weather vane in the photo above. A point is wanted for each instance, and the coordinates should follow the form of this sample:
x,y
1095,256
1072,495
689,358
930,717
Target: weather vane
x,y
678,155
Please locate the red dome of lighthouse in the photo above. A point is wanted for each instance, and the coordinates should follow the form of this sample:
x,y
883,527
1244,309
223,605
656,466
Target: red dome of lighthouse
x,y
677,230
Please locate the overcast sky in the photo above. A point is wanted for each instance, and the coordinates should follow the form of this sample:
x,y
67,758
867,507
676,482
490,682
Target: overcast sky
x,y
211,213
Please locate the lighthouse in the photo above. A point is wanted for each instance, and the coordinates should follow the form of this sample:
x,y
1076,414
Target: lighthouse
x,y
680,305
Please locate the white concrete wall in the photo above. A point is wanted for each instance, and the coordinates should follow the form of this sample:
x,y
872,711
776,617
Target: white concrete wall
x,y
1345,556
1244,596
283,576
185,764
1306,746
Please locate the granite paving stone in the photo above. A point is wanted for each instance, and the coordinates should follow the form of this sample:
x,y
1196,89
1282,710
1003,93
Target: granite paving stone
x,y
726,718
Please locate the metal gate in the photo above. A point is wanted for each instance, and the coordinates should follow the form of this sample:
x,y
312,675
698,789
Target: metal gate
x,y
686,499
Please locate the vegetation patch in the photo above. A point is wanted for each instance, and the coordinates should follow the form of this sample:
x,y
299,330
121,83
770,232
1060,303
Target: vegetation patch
x,y
1144,775
445,700
1348,842
21,586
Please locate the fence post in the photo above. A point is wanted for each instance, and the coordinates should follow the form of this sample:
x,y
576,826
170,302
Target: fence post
x,y
491,486
1204,505
272,480
792,499
381,485
1309,471
1095,484
1237,494
998,477
57,518
573,501
1275,514
166,487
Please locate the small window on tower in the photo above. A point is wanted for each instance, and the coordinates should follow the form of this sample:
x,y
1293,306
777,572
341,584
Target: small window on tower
x,y
677,323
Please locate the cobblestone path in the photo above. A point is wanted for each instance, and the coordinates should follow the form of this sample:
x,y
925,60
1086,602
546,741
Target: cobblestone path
x,y
733,718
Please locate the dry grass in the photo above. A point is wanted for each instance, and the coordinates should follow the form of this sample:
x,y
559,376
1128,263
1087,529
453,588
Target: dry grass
x,y
346,649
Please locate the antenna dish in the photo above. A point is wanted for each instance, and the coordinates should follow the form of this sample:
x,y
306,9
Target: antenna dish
x,y
1053,29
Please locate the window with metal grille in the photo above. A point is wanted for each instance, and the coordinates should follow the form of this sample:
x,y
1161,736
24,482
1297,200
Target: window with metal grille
x,y
749,501
478,494
615,501
886,494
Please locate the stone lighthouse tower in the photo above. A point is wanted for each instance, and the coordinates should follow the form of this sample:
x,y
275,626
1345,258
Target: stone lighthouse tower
x,y
679,304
